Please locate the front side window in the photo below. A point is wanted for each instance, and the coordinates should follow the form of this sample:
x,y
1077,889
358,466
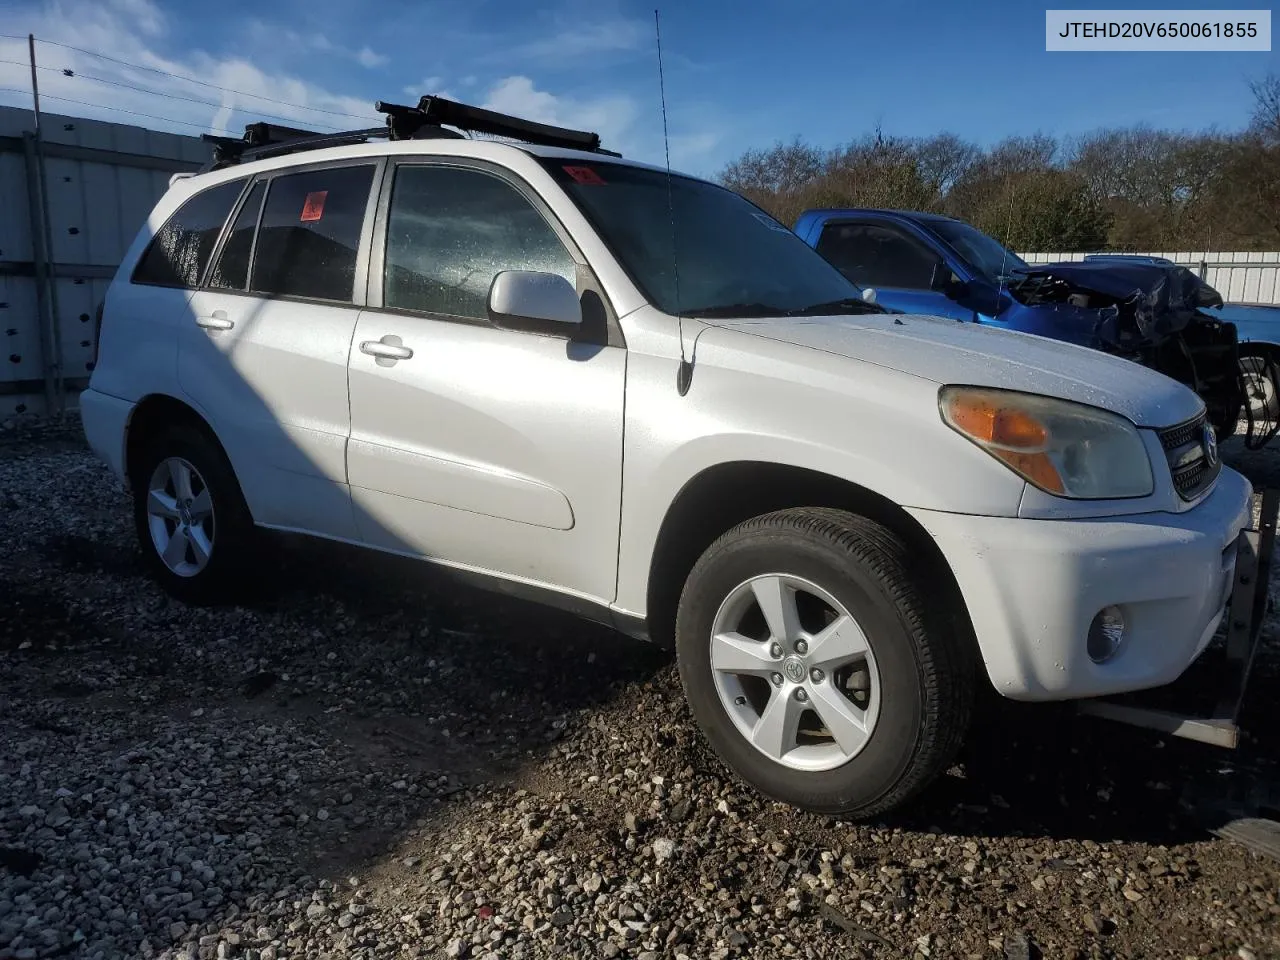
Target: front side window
x,y
696,248
873,255
310,233
180,250
451,230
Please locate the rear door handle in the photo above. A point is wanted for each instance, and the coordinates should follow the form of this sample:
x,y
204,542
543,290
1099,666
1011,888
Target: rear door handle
x,y
218,320
389,347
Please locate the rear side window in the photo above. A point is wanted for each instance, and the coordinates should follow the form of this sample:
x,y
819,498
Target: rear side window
x,y
310,234
231,272
451,231
180,250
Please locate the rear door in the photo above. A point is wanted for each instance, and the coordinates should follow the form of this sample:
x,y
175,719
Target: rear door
x,y
900,267
264,350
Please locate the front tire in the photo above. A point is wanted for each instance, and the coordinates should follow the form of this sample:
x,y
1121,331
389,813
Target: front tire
x,y
192,523
815,669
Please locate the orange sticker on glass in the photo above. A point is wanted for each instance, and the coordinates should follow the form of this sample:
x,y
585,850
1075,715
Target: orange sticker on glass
x,y
585,175
313,208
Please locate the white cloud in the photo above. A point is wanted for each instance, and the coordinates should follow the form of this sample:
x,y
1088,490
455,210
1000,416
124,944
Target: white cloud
x,y
246,87
367,58
134,31
611,116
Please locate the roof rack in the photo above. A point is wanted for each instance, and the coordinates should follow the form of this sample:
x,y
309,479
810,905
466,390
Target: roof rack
x,y
430,119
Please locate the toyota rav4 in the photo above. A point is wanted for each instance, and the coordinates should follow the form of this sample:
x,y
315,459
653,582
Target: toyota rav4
x,y
636,395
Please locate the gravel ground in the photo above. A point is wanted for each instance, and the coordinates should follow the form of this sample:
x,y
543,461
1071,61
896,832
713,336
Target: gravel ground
x,y
371,761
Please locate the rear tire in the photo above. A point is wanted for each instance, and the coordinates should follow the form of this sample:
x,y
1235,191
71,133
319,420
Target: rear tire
x,y
874,728
193,525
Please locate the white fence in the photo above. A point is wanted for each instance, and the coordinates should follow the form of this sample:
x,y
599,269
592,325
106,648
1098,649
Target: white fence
x,y
1239,277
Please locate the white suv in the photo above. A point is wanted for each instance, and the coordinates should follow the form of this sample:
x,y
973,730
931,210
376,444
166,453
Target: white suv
x,y
638,396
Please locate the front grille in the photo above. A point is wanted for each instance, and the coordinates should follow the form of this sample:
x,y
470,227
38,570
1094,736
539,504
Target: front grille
x,y
1192,452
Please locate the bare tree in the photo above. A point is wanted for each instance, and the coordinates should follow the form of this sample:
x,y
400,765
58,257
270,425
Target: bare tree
x,y
1266,113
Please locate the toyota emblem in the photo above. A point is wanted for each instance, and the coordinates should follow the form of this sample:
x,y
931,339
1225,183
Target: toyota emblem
x,y
1210,446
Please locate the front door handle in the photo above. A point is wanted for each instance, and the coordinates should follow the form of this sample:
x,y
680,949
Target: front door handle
x,y
218,320
389,348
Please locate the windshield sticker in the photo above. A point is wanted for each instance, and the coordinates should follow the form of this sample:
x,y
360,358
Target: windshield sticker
x,y
585,175
771,223
313,208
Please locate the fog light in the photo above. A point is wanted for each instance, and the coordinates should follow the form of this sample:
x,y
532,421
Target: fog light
x,y
1105,634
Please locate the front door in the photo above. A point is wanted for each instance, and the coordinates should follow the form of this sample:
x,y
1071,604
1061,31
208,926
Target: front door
x,y
481,447
899,267
264,351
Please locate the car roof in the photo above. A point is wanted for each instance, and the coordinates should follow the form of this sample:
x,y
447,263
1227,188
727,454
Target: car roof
x,y
477,148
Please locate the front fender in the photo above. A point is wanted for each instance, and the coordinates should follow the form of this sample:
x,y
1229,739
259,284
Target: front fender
x,y
876,428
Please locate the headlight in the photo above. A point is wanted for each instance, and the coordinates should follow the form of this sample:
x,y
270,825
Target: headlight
x,y
1064,448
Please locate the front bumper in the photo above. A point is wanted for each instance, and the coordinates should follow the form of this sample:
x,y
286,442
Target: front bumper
x,y
1034,586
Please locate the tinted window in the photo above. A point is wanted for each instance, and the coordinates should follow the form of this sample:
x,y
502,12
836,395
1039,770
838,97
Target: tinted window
x,y
878,256
451,231
733,257
310,233
181,248
231,272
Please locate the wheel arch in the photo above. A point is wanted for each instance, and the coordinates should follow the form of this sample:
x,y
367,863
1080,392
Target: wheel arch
x,y
726,494
153,414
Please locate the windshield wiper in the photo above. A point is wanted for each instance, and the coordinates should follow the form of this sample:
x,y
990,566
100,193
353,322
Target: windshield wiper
x,y
844,305
737,310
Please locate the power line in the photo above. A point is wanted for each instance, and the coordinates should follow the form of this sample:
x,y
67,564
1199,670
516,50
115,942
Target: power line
x,y
203,83
103,106
75,75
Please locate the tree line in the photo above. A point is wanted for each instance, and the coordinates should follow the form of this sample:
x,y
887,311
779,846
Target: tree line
x,y
1132,188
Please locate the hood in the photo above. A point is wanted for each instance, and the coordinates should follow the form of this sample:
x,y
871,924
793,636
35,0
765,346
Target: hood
x,y
950,351
1137,301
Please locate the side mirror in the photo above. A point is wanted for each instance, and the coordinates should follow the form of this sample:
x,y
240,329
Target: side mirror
x,y
533,300
869,294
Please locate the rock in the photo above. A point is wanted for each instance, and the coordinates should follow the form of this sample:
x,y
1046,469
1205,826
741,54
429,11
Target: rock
x,y
457,949
663,849
1095,923
562,917
1133,896
1017,946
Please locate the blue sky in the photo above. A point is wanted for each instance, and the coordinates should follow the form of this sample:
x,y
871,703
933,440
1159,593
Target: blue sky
x,y
738,75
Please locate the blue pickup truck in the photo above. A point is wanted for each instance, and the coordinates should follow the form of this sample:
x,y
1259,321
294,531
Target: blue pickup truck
x,y
1148,309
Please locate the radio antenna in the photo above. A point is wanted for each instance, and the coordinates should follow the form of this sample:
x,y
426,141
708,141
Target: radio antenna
x,y
684,374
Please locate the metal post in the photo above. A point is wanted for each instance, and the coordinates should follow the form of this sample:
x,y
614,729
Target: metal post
x,y
43,307
35,83
42,244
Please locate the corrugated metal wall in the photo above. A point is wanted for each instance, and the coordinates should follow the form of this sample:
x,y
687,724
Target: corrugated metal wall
x,y
1239,277
101,181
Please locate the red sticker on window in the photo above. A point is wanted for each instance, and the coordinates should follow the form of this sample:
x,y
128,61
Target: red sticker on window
x,y
313,209
585,175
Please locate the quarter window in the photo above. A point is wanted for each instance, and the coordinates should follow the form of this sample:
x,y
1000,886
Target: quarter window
x,y
310,233
180,250
231,272
450,231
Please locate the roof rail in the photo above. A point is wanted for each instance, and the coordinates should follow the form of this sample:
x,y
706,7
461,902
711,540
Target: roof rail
x,y
431,118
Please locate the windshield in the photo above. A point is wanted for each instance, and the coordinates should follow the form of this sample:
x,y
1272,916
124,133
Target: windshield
x,y
985,254
734,259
